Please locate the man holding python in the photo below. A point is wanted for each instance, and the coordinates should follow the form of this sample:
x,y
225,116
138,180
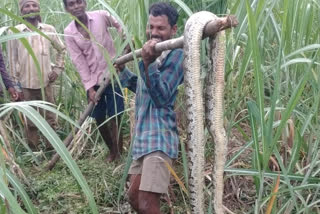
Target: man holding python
x,y
156,139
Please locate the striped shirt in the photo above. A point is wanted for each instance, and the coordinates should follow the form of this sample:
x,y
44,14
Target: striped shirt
x,y
155,119
21,65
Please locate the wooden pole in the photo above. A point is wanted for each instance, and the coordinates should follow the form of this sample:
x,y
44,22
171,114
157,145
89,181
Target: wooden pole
x,y
210,30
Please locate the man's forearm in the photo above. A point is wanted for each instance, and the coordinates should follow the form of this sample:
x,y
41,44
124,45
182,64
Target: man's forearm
x,y
146,73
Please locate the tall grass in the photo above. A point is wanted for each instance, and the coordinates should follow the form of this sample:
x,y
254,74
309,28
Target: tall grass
x,y
272,68
274,41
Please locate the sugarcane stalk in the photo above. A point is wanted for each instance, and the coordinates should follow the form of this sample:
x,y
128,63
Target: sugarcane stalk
x,y
210,30
8,155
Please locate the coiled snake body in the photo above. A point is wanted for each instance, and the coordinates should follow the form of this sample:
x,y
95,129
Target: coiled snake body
x,y
214,86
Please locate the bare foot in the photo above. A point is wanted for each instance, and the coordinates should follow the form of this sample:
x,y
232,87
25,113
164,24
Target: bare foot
x,y
112,157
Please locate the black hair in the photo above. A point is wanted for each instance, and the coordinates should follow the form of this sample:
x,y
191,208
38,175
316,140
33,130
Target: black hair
x,y
65,3
162,8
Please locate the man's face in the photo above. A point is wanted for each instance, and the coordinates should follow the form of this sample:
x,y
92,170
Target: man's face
x,y
159,28
76,8
30,7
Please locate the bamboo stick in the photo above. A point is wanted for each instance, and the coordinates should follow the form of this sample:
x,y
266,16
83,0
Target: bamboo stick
x,y
210,30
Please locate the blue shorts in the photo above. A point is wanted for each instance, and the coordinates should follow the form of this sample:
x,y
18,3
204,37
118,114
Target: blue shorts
x,y
110,103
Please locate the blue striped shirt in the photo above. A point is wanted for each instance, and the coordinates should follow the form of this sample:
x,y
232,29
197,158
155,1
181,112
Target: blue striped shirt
x,y
155,119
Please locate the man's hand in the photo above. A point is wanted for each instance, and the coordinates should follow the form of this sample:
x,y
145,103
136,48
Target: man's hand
x,y
92,95
53,76
127,49
14,94
21,96
118,67
149,53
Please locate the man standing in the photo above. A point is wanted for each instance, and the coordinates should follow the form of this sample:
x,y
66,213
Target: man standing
x,y
156,136
6,80
86,50
24,70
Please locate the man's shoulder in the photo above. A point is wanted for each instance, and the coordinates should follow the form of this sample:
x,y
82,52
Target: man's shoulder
x,y
178,51
98,13
68,29
175,53
174,57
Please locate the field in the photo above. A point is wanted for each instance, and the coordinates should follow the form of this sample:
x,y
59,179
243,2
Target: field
x,y
271,117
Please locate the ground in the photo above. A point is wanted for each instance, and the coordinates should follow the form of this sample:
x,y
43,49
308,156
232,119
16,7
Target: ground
x,y
57,192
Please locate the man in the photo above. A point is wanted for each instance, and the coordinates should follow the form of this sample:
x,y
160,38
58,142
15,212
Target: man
x,y
156,137
6,80
24,70
86,50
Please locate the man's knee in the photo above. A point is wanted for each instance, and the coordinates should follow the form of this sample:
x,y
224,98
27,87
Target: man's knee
x,y
149,202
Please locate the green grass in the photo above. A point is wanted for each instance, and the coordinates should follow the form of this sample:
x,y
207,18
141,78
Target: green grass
x,y
272,67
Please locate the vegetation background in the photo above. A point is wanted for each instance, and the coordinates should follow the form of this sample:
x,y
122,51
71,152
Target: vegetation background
x,y
271,116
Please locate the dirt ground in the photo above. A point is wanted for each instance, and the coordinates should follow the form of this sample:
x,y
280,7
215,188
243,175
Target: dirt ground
x,y
239,191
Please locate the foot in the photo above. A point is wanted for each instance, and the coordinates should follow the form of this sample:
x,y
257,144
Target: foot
x,y
112,157
33,148
48,147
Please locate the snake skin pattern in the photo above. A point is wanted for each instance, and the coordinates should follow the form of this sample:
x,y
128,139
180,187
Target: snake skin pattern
x,y
214,87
